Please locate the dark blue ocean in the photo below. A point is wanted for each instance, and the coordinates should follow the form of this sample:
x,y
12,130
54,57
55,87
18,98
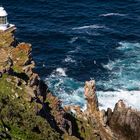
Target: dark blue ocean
x,y
78,40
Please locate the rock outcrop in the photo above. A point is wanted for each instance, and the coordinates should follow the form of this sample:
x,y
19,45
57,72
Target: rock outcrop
x,y
125,122
91,97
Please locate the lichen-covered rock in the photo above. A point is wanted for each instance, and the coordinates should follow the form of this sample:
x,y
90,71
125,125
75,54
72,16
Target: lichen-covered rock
x,y
7,38
21,55
5,61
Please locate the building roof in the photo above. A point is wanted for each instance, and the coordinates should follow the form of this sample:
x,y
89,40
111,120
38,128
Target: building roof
x,y
3,13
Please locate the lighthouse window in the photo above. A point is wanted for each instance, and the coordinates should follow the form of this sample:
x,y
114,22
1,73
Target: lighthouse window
x,y
2,20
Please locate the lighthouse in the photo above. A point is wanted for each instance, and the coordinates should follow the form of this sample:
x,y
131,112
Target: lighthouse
x,y
4,25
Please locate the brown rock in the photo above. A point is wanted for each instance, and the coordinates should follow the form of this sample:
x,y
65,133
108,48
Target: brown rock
x,y
92,101
125,122
34,80
21,54
59,114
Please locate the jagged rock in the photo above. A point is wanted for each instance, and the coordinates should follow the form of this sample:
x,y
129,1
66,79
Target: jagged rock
x,y
5,61
30,94
125,122
64,125
6,38
21,55
29,69
109,114
34,80
103,117
92,101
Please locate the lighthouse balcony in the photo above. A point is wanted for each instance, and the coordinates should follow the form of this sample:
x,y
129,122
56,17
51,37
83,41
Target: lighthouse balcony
x,y
7,27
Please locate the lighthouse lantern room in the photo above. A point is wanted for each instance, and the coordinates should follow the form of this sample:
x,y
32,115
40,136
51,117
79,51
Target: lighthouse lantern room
x,y
4,25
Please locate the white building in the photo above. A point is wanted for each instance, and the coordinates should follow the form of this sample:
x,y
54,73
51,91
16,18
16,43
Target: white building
x,y
4,25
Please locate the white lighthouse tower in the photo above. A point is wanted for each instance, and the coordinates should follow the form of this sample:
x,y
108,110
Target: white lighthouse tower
x,y
4,25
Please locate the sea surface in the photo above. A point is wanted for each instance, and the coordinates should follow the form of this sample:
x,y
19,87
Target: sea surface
x,y
78,40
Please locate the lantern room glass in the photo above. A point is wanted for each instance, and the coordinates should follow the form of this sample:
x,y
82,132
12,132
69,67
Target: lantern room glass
x,y
3,20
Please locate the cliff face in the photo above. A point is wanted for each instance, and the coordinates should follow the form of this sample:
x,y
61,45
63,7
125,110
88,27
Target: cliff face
x,y
29,111
27,108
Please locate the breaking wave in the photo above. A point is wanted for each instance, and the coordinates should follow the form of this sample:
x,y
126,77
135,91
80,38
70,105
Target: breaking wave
x,y
109,98
89,27
112,14
68,90
69,59
73,40
60,72
123,80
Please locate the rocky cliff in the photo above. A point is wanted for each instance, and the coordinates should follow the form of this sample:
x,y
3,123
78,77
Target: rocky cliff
x,y
28,110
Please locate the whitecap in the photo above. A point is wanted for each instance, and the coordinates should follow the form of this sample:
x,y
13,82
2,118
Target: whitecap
x,y
77,49
111,64
112,14
61,71
89,27
128,45
69,59
73,39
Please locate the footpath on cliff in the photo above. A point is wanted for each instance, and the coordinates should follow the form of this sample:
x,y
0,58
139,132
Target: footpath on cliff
x,y
29,111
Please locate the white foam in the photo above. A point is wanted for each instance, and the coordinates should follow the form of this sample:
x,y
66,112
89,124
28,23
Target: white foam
x,y
123,77
69,59
73,39
89,27
75,98
65,88
61,71
112,14
110,98
77,49
128,45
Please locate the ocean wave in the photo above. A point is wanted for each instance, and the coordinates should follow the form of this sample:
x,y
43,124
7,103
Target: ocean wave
x,y
109,98
68,90
112,14
89,27
123,72
127,45
61,71
69,59
73,39
77,49
111,64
